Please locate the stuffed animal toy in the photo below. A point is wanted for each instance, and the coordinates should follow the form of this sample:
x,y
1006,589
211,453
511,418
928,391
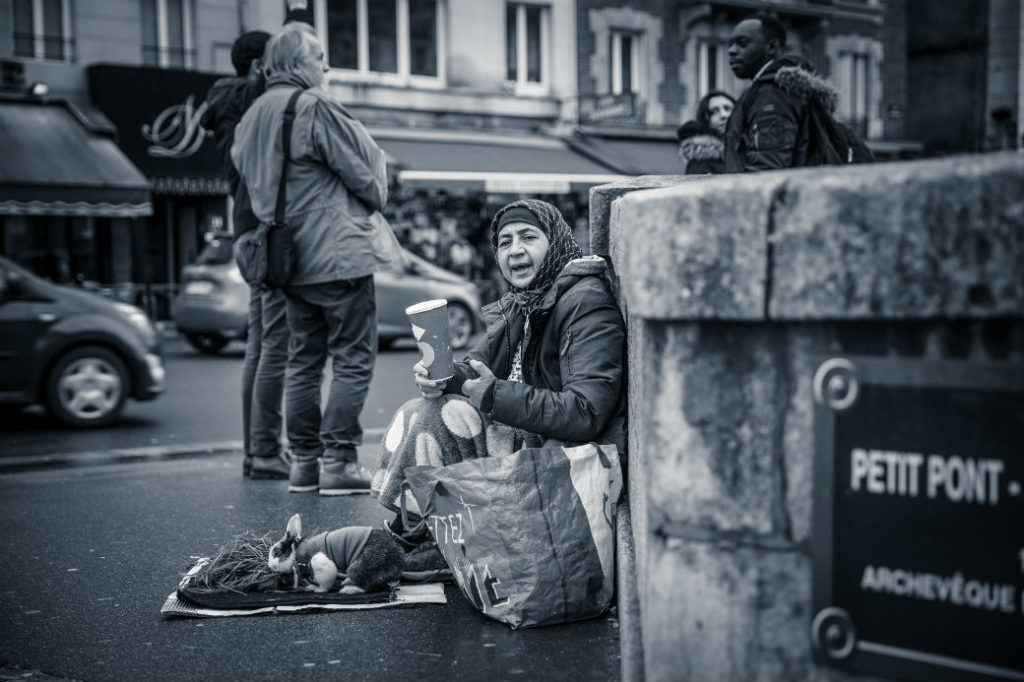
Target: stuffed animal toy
x,y
366,559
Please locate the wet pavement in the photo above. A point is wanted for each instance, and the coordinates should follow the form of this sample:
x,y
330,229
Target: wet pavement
x,y
94,551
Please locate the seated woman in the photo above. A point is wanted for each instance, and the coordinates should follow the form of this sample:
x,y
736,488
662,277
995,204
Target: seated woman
x,y
548,371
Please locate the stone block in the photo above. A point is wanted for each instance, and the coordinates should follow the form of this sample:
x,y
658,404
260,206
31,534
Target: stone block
x,y
727,612
939,238
602,196
696,250
712,449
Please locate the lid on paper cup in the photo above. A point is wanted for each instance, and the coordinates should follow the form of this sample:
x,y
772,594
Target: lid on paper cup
x,y
424,306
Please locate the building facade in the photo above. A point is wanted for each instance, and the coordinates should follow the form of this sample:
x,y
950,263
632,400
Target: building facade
x,y
643,66
135,71
476,102
470,98
954,74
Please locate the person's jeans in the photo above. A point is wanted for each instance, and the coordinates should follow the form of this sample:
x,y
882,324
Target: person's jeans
x,y
337,319
266,352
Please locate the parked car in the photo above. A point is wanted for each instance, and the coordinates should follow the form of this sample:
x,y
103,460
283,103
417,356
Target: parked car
x,y
212,305
75,352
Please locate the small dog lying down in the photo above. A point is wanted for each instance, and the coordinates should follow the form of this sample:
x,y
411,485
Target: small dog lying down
x,y
366,559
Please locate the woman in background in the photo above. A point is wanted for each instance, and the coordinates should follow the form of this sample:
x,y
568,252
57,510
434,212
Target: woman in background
x,y
702,141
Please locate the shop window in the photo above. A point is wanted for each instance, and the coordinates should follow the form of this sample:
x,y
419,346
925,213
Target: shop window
x,y
526,44
391,40
167,36
42,29
711,67
625,63
852,81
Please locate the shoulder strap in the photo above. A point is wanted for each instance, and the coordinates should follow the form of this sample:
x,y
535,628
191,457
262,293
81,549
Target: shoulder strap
x,y
289,118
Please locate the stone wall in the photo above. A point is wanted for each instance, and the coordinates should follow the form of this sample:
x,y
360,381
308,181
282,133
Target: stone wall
x,y
735,287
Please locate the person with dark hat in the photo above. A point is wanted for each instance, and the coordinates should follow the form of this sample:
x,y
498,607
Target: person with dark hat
x,y
550,370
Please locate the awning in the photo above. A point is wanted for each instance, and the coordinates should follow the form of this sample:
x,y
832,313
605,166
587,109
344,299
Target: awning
x,y
633,155
531,164
53,165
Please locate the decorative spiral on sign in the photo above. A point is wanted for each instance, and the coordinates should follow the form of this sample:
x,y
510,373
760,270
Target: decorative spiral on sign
x,y
835,384
176,132
833,634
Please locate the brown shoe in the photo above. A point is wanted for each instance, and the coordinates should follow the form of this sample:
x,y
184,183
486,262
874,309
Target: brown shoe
x,y
276,467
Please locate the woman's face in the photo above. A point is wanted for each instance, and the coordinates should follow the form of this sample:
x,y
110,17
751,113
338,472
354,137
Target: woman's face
x,y
521,250
719,109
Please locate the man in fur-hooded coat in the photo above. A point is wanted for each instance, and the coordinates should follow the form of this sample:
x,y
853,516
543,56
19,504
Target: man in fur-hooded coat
x,y
764,131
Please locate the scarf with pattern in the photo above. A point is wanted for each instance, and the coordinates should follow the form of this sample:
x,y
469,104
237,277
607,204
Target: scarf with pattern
x,y
562,248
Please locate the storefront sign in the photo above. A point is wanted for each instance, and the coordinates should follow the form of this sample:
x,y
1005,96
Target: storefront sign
x,y
157,114
526,186
919,518
596,109
177,131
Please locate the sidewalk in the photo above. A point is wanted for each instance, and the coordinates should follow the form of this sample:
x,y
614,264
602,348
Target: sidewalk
x,y
153,453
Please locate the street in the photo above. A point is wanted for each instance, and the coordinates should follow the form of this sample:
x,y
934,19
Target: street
x,y
94,551
202,404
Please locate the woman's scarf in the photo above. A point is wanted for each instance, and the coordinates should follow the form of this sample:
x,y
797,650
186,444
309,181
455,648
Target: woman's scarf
x,y
562,248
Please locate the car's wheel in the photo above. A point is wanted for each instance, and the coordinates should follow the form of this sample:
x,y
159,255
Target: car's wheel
x,y
208,344
460,321
87,387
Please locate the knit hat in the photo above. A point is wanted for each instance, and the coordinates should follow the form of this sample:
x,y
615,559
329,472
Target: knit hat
x,y
562,246
518,214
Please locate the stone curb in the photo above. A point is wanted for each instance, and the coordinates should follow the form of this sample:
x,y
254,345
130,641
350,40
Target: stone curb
x,y
155,453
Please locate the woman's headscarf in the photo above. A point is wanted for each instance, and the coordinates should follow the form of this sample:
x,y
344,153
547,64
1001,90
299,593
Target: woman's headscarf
x,y
562,248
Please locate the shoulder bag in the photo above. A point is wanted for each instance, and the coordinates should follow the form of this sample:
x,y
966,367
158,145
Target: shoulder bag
x,y
266,255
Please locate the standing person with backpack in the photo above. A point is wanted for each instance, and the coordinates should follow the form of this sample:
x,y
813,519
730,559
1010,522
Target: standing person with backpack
x,y
335,180
784,119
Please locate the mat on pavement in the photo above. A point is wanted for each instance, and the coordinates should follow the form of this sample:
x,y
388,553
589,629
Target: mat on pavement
x,y
190,603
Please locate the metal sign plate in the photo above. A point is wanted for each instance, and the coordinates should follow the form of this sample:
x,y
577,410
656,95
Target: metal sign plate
x,y
919,518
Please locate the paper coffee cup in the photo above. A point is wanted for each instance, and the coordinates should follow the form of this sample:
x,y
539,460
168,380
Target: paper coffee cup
x,y
429,321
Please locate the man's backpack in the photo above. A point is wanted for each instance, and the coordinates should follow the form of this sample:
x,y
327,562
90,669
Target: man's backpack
x,y
828,141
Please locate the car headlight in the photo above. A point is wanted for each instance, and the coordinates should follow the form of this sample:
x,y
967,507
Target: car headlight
x,y
139,320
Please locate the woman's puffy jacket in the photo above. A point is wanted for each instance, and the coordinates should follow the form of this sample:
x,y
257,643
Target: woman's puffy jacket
x,y
574,379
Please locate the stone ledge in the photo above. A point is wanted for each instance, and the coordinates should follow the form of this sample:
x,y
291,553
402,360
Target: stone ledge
x,y
695,250
926,239
602,196
906,240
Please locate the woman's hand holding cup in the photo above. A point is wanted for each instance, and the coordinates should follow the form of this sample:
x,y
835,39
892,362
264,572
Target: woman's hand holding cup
x,y
430,389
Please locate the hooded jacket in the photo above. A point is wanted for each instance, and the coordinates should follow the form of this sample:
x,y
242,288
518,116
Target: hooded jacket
x,y
226,102
701,149
764,131
573,386
337,178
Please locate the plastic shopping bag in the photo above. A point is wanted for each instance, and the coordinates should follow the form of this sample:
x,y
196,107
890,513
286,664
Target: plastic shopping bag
x,y
529,536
